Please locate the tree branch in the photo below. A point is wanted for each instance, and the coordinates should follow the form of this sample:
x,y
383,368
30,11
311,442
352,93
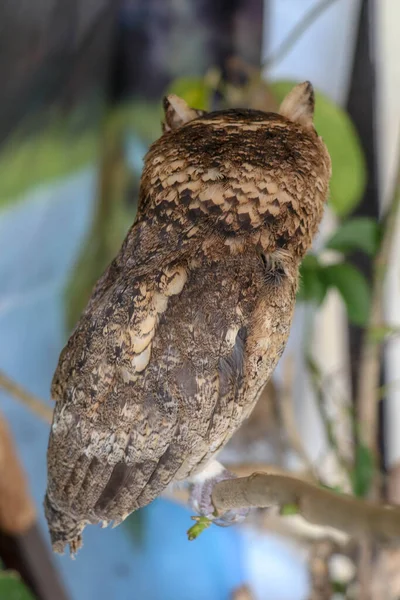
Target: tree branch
x,y
320,506
34,404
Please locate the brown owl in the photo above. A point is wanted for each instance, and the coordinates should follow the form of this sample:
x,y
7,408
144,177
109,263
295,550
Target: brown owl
x,y
188,322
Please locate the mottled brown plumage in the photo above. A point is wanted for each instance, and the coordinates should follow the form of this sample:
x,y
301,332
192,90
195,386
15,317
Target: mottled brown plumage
x,y
187,324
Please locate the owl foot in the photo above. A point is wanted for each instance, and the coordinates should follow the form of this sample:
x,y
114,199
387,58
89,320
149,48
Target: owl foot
x,y
201,487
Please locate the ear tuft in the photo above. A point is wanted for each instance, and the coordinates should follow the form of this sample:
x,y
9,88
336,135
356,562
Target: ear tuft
x,y
177,112
298,105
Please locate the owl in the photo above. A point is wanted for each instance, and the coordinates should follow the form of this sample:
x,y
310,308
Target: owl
x,y
188,322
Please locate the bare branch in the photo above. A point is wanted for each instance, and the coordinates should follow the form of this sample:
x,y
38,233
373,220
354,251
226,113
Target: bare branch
x,y
317,505
34,404
369,371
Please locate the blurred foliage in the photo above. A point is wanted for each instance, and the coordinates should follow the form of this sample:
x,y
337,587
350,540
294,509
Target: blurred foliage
x,y
313,286
363,472
116,201
197,91
353,288
317,279
64,145
289,510
44,157
12,588
382,333
110,225
143,118
360,233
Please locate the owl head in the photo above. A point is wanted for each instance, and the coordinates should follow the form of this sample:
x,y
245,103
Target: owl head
x,y
256,175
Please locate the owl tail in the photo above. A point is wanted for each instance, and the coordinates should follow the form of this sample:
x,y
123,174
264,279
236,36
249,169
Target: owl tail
x,y
63,527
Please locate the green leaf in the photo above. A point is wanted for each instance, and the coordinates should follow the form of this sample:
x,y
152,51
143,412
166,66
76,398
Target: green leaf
x,y
339,588
339,134
289,509
353,287
380,333
332,488
12,588
363,472
197,529
361,233
194,90
312,284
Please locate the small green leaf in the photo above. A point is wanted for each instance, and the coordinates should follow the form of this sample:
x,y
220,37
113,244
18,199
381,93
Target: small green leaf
x,y
353,287
380,333
12,588
201,524
289,509
332,488
334,125
194,90
312,284
339,588
361,233
363,472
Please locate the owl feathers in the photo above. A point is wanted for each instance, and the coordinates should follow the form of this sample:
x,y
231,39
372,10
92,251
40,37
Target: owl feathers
x,y
188,322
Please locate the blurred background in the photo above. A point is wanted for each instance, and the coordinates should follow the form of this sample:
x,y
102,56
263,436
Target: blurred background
x,y
80,102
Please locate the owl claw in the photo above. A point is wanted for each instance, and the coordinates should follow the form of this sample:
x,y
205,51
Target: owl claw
x,y
200,500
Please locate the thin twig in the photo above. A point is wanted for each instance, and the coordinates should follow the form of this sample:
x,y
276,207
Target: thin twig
x,y
298,30
35,404
320,506
288,418
369,369
315,378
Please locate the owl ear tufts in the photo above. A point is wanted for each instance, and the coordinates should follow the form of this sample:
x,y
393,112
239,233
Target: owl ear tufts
x,y
177,112
298,105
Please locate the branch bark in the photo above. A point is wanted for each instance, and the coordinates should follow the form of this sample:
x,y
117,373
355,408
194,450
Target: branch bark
x,y
317,505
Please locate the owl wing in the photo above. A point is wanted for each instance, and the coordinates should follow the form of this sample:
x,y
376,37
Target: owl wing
x,y
145,390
